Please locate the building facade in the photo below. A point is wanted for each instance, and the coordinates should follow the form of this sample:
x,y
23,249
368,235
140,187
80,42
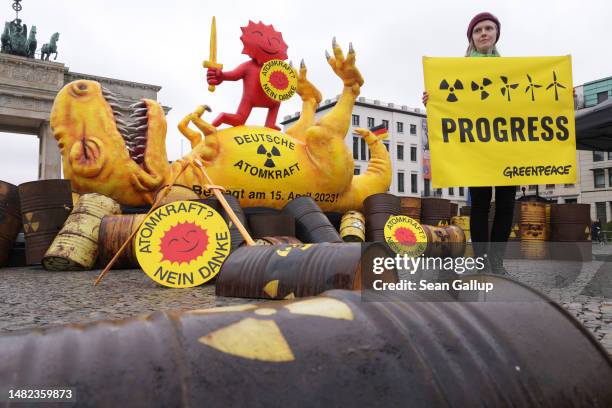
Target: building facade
x,y
595,167
594,184
405,140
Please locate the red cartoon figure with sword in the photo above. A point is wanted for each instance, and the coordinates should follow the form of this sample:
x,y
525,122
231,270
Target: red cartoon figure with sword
x,y
267,79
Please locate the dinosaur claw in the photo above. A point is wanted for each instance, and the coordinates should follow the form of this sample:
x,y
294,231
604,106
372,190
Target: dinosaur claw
x,y
327,56
302,65
334,43
351,49
291,63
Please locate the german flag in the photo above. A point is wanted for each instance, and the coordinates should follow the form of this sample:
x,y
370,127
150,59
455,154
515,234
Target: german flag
x,y
381,131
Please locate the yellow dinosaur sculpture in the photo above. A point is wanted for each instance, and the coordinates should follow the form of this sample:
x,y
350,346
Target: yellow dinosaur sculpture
x,y
262,167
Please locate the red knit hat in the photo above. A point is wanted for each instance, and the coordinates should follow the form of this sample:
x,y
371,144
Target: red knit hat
x,y
482,17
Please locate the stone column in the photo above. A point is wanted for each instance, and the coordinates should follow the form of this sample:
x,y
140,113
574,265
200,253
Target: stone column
x,y
50,159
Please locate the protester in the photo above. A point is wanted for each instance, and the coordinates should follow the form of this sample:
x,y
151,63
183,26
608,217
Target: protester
x,y
483,33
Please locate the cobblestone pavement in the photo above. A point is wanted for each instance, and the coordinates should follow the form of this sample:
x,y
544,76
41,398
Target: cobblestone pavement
x,y
582,288
32,297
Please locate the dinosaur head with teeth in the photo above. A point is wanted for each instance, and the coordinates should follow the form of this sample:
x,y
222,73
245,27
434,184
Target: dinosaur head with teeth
x,y
104,152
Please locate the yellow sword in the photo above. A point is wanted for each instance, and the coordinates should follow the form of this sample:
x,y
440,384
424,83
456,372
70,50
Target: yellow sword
x,y
212,63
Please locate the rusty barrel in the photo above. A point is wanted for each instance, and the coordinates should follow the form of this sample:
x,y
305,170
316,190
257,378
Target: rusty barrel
x,y
547,227
312,225
287,271
570,222
10,219
269,225
76,246
463,222
454,208
571,231
533,224
352,227
114,231
378,208
277,240
45,206
448,241
336,350
435,211
411,207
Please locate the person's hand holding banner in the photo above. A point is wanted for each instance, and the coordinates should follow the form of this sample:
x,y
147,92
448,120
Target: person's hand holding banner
x,y
500,121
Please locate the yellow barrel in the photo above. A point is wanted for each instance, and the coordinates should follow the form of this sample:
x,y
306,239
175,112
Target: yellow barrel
x,y
76,245
352,227
463,222
444,241
547,224
533,224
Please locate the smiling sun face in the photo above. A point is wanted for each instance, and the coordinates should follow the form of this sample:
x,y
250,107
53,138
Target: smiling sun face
x,y
263,43
184,242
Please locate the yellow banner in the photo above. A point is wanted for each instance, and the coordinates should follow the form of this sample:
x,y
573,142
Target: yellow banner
x,y
500,121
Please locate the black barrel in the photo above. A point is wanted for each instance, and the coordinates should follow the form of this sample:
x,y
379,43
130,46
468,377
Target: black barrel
x,y
312,225
334,350
287,271
10,219
45,206
466,210
271,225
235,236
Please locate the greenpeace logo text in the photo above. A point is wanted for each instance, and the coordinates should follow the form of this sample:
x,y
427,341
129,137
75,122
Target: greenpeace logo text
x,y
536,171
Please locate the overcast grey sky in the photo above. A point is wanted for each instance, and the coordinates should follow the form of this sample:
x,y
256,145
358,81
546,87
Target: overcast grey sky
x,y
164,43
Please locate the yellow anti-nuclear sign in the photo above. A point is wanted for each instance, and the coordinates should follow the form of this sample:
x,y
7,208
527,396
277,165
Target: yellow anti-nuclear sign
x,y
500,121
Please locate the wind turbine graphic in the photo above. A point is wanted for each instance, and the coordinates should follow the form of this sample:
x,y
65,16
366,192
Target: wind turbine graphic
x,y
556,85
531,86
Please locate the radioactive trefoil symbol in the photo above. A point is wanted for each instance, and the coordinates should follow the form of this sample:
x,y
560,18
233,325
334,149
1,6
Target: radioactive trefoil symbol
x,y
273,152
556,85
257,336
451,89
481,87
505,90
531,87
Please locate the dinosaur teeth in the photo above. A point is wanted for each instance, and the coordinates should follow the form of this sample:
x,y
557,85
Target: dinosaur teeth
x,y
117,113
120,122
142,128
139,112
107,91
139,104
114,106
140,121
139,139
110,98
